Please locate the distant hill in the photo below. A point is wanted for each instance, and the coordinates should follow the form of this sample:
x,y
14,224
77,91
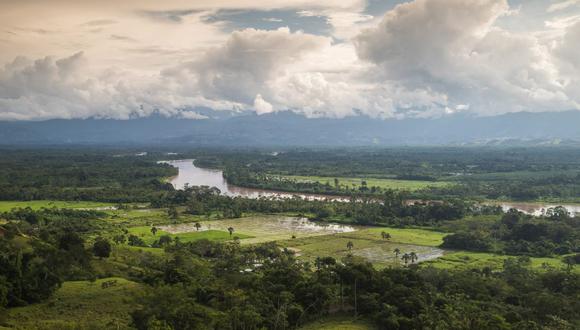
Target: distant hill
x,y
290,129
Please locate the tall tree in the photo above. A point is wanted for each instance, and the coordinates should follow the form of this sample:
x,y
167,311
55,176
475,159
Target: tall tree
x,y
406,257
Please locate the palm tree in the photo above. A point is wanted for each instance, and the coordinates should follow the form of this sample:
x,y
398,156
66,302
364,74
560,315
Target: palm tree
x,y
397,252
153,230
197,226
349,245
231,230
406,257
413,257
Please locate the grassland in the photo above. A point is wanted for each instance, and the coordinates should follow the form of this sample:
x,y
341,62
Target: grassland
x,y
6,206
144,232
464,260
369,244
264,228
410,185
80,305
398,235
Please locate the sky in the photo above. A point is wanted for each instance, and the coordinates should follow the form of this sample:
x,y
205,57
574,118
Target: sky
x,y
334,58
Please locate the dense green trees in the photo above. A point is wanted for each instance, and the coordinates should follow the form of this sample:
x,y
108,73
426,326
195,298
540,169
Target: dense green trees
x,y
102,248
493,173
262,286
519,234
115,176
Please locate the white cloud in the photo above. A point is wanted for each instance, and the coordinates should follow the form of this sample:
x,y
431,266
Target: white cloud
x,y
262,106
558,6
423,58
242,67
67,88
452,47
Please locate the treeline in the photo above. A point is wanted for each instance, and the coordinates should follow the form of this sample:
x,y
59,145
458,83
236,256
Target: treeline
x,y
241,176
492,173
390,208
81,175
397,162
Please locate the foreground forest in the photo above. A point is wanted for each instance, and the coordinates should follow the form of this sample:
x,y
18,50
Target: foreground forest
x,y
99,239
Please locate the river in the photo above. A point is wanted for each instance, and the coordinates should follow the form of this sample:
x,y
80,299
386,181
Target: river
x,y
191,175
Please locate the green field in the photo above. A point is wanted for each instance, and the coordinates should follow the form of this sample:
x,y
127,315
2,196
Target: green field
x,y
464,260
399,235
263,228
369,244
80,305
6,206
144,232
410,185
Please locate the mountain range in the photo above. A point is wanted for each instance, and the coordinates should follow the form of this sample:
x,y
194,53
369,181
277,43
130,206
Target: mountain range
x,y
291,129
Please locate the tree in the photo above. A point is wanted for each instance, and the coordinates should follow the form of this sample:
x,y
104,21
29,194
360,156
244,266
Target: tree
x,y
197,226
102,248
231,230
153,230
349,245
406,257
413,257
397,251
165,240
172,212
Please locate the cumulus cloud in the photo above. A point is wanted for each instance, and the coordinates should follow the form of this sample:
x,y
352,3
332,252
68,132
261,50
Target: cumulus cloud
x,y
262,106
66,88
242,67
452,47
423,58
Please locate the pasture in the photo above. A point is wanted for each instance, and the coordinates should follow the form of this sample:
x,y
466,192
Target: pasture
x,y
263,228
350,182
6,206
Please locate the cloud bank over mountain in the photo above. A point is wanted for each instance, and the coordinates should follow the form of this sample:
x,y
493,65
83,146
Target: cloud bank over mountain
x,y
402,59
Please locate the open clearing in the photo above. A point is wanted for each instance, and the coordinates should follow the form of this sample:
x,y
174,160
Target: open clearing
x,y
410,185
464,260
80,305
6,206
144,232
264,228
369,244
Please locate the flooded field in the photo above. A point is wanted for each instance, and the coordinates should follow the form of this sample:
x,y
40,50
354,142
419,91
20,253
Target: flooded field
x,y
264,228
379,252
384,253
